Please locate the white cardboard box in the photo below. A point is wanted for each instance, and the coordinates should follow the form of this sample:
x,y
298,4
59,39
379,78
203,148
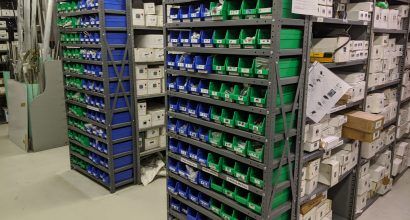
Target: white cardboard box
x,y
149,41
329,172
311,185
155,73
364,184
142,108
138,17
142,87
151,143
313,169
151,20
154,86
376,172
149,8
144,121
151,133
141,72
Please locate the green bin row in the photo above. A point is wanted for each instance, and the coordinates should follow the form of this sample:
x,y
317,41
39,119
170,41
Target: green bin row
x,y
256,38
74,82
247,121
78,150
248,9
77,110
76,161
254,67
84,140
76,96
76,123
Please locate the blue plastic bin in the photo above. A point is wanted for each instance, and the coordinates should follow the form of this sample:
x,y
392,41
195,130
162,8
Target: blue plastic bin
x,y
193,84
193,109
204,87
193,131
175,204
117,55
173,145
194,215
204,134
203,64
193,196
182,84
126,86
121,103
112,71
172,125
195,38
180,61
184,208
121,147
184,13
204,200
115,21
204,111
189,63
183,149
174,38
173,104
174,14
172,83
119,133
115,4
122,161
182,170
173,165
206,38
172,186
123,176
116,38
182,128
204,179
171,61
183,106
184,38
195,11
202,157
121,117
192,152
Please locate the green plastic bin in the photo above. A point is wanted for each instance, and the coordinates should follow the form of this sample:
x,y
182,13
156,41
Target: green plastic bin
x,y
218,64
240,146
218,38
216,184
256,176
228,118
219,11
214,88
215,206
231,64
227,92
264,9
246,67
241,196
232,38
229,190
228,142
234,9
281,197
215,162
242,172
243,95
291,38
257,124
254,203
216,114
255,151
247,38
290,122
258,97
249,9
288,67
229,213
215,138
242,121
228,166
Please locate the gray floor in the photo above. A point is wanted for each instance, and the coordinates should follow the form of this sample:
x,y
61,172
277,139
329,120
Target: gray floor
x,y
41,186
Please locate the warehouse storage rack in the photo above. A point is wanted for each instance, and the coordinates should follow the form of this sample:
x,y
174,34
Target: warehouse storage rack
x,y
201,153
141,153
99,89
402,38
342,202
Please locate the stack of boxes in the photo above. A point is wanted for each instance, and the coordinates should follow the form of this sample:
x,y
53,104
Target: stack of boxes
x,y
359,11
403,121
325,8
363,126
324,50
152,115
384,103
384,60
363,187
392,18
310,177
150,16
150,80
401,158
319,208
405,89
149,48
358,86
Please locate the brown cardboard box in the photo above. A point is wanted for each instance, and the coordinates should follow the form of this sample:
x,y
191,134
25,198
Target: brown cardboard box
x,y
360,135
364,121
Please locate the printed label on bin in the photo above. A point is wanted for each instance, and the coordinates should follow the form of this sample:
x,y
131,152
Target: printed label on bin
x,y
218,67
201,67
93,108
231,68
264,41
205,91
174,41
240,98
182,108
188,65
234,12
204,115
245,70
227,121
207,41
194,41
185,40
265,10
219,41
257,100
241,123
236,182
233,41
214,93
185,16
190,163
209,171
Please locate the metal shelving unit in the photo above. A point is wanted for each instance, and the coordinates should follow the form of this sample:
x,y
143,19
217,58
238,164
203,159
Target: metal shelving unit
x,y
270,191
101,142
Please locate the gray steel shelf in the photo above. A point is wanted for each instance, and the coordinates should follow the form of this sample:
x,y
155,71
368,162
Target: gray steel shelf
x,y
88,92
374,88
228,51
220,175
153,63
319,189
280,210
147,28
152,127
88,12
376,155
309,156
348,105
99,153
82,29
220,151
87,134
389,123
405,100
245,210
389,31
227,78
95,62
177,215
340,21
85,119
150,96
231,105
152,151
397,177
217,126
95,108
95,78
92,45
345,64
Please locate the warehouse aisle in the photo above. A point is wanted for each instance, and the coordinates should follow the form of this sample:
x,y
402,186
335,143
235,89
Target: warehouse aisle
x,y
394,205
41,186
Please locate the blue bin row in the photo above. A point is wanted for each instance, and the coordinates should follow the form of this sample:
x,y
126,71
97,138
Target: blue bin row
x,y
111,37
117,118
99,102
194,176
188,85
184,38
118,162
110,21
117,148
191,214
103,176
189,151
94,4
96,70
116,134
96,86
190,62
193,12
192,108
188,130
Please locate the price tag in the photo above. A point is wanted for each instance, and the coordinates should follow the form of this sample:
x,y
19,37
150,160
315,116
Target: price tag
x,y
93,108
209,171
237,183
190,163
319,19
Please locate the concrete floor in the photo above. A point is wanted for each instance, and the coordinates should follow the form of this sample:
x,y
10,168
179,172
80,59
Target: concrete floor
x,y
42,186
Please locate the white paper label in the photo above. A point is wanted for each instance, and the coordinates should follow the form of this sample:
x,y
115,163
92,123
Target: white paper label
x,y
238,183
190,163
209,171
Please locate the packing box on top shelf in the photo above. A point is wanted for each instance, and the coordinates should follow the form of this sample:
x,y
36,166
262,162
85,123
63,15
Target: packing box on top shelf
x,y
364,121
